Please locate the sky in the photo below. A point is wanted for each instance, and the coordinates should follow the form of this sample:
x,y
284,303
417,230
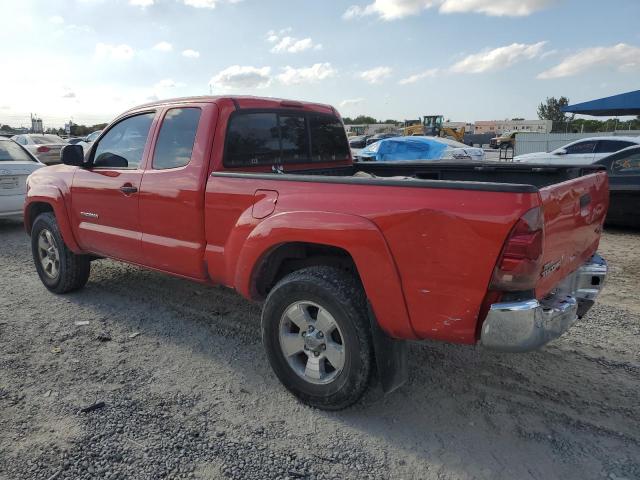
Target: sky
x,y
89,60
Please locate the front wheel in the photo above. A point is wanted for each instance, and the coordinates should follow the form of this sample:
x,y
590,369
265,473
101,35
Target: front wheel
x,y
317,337
60,269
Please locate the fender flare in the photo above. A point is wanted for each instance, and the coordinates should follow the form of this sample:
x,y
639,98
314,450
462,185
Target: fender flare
x,y
51,195
360,237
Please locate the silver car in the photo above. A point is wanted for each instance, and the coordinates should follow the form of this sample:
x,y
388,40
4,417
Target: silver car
x,y
16,164
46,148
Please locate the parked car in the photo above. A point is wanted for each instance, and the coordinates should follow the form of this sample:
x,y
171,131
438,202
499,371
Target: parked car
x,y
506,140
16,163
379,136
45,148
87,141
624,187
75,140
261,195
413,148
584,151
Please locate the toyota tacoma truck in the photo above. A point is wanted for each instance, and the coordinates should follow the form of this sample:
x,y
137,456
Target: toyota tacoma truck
x,y
350,261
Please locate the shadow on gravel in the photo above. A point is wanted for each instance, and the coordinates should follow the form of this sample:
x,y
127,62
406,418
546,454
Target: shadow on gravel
x,y
10,226
574,412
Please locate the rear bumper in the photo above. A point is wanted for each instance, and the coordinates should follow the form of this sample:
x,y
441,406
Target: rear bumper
x,y
528,325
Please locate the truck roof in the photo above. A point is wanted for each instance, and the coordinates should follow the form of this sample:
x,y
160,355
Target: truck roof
x,y
242,101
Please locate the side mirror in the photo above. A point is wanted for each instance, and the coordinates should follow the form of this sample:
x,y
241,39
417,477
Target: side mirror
x,y
72,155
561,151
110,160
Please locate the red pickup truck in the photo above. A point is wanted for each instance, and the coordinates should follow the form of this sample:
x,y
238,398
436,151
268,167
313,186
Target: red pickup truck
x,y
350,260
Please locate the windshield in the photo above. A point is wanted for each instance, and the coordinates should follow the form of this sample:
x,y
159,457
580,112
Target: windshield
x,y
45,139
11,152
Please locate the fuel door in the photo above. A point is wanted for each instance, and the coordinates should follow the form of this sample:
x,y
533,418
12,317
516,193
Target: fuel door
x,y
264,203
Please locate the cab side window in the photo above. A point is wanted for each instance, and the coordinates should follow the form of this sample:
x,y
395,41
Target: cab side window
x,y
123,145
581,148
176,138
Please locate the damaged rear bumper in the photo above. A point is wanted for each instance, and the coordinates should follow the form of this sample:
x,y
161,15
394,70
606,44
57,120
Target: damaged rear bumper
x,y
528,325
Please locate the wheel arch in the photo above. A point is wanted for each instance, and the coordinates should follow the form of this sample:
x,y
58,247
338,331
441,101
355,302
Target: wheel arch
x,y
49,198
285,240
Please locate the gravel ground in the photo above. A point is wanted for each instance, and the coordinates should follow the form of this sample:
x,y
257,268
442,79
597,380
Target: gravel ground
x,y
188,392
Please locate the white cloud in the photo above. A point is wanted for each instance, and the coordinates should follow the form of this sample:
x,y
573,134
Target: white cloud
x,y
141,3
238,76
496,8
351,102
205,3
498,58
168,83
201,3
285,43
430,73
114,52
376,75
163,46
69,95
396,9
190,53
312,74
622,57
56,20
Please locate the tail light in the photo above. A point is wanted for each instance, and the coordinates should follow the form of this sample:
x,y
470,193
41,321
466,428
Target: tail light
x,y
520,262
43,149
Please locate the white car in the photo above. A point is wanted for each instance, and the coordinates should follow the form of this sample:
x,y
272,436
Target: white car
x,y
45,148
16,164
580,152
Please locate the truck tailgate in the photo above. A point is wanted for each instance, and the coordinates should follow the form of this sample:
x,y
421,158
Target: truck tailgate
x,y
574,212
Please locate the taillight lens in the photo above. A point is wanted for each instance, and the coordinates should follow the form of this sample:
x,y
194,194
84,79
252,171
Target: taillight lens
x,y
520,262
43,149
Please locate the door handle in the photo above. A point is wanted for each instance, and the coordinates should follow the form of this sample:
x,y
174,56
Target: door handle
x,y
128,189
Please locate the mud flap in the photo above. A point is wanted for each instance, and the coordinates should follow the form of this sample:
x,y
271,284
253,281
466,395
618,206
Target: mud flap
x,y
391,356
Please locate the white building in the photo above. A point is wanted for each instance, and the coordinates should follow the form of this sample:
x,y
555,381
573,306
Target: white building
x,y
502,126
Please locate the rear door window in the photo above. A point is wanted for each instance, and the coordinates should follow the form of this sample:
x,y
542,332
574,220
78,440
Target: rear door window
x,y
268,138
176,138
610,146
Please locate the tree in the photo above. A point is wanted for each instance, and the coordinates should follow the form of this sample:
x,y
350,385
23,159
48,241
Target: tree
x,y
361,119
550,109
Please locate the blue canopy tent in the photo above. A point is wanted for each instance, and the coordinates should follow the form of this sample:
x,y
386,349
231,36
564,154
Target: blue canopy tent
x,y
614,106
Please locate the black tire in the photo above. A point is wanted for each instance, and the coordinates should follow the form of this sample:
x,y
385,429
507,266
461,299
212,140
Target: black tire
x,y
72,270
342,296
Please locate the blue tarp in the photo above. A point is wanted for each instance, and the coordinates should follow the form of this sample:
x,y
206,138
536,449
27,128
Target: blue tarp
x,y
404,148
617,105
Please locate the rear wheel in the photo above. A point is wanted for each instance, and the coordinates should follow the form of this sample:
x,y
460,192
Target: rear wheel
x,y
317,337
60,270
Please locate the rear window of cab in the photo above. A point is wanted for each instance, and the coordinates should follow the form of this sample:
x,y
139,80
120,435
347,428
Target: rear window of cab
x,y
283,137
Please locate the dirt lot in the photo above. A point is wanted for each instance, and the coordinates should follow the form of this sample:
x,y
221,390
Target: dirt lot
x,y
192,396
